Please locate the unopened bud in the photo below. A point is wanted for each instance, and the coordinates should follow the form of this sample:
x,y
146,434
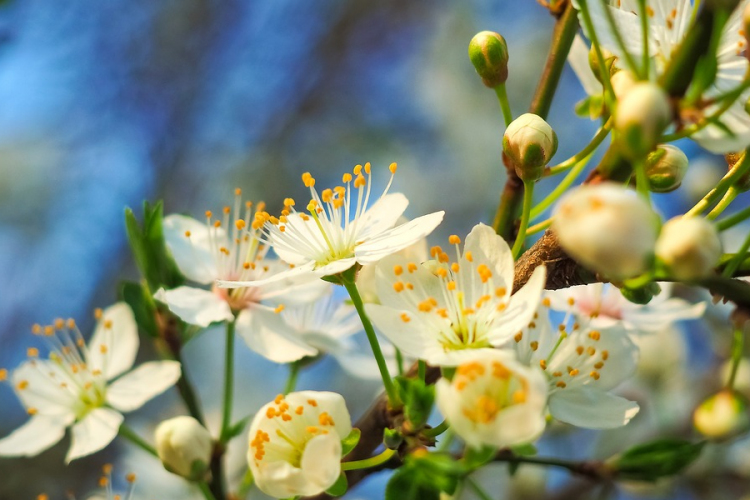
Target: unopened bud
x,y
529,143
666,166
642,115
609,63
642,295
622,82
721,416
184,447
489,55
607,228
689,247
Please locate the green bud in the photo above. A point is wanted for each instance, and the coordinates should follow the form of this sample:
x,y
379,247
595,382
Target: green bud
x,y
665,168
392,438
489,55
609,63
529,143
642,295
721,416
642,114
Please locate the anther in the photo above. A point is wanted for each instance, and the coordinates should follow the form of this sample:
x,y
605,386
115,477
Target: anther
x,y
454,240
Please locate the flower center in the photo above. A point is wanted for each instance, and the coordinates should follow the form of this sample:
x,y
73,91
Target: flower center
x,y
496,388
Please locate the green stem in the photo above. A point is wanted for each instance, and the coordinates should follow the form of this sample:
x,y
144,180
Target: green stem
x,y
740,168
562,39
738,343
733,219
585,14
559,190
477,489
618,38
128,433
586,152
369,462
437,430
502,97
390,389
226,419
641,180
421,370
728,198
539,227
528,199
399,362
291,381
206,491
644,38
737,259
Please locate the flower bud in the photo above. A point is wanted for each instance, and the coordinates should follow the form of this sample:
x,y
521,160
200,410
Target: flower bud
x,y
489,55
609,63
607,228
622,82
529,143
642,295
665,168
642,115
689,247
722,415
184,447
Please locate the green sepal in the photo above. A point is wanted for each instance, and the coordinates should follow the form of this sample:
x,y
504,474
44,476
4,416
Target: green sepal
x,y
392,438
475,458
237,428
425,477
149,248
418,398
142,304
642,295
350,442
651,461
339,487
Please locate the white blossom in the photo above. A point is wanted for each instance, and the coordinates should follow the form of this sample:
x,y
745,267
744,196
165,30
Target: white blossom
x,y
295,443
339,230
230,248
493,400
84,387
602,305
435,310
582,364
607,228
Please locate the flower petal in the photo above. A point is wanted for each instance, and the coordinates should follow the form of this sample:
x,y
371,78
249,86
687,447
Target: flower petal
x,y
266,333
490,249
382,215
192,254
94,432
38,385
114,345
321,462
398,238
578,58
134,389
295,273
591,408
413,338
35,436
195,306
521,308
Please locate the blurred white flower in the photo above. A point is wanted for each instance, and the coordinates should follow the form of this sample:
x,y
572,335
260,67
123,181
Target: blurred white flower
x,y
607,228
295,443
582,364
230,248
84,387
435,310
689,246
493,400
602,305
184,447
668,23
339,232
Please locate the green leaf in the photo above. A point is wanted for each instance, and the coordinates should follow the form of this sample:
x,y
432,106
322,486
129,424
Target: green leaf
x,y
143,307
418,399
651,461
237,429
350,442
339,487
476,458
524,450
407,484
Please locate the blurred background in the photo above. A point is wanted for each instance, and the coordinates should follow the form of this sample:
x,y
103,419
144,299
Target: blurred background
x,y
106,104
